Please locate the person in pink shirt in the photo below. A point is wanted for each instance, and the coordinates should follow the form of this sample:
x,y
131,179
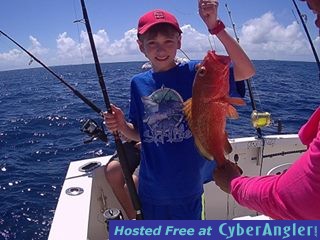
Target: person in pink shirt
x,y
294,194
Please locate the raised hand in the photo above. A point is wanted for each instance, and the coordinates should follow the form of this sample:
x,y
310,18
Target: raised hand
x,y
208,10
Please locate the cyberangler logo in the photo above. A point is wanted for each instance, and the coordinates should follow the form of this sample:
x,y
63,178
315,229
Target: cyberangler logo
x,y
269,230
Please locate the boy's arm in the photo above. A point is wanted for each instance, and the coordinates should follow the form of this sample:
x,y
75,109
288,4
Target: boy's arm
x,y
130,132
243,67
115,121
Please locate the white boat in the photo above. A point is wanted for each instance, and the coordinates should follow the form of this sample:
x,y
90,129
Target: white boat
x,y
86,196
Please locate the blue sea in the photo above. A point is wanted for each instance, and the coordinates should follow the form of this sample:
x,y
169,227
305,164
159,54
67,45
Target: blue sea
x,y
41,120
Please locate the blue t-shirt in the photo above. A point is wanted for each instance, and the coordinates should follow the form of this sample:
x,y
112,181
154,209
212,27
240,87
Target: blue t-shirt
x,y
171,168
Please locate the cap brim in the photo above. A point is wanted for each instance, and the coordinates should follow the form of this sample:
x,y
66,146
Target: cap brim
x,y
148,26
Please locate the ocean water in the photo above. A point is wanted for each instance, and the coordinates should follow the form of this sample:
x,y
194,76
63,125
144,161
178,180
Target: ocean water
x,y
40,122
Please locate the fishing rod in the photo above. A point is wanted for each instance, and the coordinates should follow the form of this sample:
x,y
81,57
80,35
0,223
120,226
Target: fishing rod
x,y
308,35
258,119
119,146
90,127
76,92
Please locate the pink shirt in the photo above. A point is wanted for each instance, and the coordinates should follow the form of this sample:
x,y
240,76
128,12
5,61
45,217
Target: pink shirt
x,y
295,194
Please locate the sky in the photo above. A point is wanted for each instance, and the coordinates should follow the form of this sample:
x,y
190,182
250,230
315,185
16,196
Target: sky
x,y
267,29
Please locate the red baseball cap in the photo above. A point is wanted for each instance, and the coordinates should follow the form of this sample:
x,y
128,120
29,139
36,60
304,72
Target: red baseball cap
x,y
155,17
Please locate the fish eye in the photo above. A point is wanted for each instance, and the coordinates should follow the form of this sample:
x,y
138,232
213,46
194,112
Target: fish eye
x,y
202,71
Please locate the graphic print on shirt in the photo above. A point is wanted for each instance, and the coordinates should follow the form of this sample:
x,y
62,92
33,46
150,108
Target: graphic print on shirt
x,y
164,117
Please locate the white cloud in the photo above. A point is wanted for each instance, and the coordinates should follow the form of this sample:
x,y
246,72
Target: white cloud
x,y
36,47
12,55
16,58
265,38
67,47
127,45
261,38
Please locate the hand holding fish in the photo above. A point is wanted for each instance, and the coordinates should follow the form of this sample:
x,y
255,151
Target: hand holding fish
x,y
224,175
208,11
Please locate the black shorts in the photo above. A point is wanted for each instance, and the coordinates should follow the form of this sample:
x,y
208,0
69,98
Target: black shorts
x,y
133,155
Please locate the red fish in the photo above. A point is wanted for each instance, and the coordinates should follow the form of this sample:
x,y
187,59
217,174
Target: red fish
x,y
210,105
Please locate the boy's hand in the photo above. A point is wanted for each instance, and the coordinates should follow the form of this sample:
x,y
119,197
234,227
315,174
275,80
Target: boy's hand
x,y
208,10
116,120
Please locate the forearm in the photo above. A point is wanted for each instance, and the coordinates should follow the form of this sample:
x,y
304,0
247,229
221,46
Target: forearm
x,y
259,194
243,67
130,132
291,195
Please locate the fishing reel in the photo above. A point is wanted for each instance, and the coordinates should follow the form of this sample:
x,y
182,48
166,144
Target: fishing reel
x,y
112,214
263,119
260,119
94,131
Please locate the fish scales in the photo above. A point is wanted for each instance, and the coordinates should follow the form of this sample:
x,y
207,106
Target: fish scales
x,y
210,105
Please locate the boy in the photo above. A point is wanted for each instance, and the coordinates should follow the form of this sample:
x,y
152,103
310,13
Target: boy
x,y
170,183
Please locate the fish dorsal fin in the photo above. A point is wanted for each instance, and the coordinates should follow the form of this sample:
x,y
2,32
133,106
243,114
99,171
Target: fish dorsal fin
x,y
201,150
187,105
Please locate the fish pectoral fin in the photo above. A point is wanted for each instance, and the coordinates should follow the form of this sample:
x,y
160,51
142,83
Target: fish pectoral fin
x,y
202,151
187,110
236,101
227,145
232,112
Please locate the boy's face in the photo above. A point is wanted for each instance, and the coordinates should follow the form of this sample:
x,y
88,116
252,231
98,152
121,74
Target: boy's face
x,y
160,49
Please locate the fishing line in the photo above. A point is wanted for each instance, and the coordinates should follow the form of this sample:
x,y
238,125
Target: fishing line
x,y
184,53
209,39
